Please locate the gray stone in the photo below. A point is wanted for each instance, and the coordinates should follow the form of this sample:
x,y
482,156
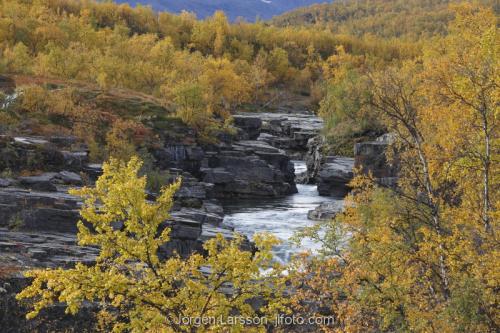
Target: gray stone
x,y
69,177
94,170
313,158
63,141
334,176
325,211
75,160
213,207
29,153
49,219
250,125
248,169
181,156
195,190
4,182
217,175
289,131
198,215
41,182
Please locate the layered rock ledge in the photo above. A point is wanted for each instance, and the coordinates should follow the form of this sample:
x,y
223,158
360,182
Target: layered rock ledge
x,y
288,131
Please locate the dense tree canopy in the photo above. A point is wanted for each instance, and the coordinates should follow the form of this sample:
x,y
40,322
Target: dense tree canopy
x,y
421,257
221,66
406,19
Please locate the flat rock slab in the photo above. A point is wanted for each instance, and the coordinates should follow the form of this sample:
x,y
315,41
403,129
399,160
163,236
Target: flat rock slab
x,y
42,250
69,177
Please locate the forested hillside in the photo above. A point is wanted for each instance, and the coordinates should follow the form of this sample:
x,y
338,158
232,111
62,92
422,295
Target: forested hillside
x,y
203,69
407,19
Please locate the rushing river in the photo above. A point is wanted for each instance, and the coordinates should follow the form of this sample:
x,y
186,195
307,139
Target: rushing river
x,y
282,217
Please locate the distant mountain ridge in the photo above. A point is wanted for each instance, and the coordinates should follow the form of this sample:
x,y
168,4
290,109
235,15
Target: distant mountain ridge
x,y
247,9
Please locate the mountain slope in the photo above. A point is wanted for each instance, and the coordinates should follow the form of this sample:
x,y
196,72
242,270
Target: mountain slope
x,y
410,19
248,9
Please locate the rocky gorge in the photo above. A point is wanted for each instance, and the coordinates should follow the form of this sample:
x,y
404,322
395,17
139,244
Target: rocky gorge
x,y
38,217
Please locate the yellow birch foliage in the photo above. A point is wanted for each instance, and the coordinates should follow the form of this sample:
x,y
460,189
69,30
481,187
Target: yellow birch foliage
x,y
423,257
137,291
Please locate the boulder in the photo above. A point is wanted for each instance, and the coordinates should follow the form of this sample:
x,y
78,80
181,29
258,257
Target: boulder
x,y
326,211
49,219
217,175
213,207
26,210
193,190
179,156
75,161
43,249
198,215
334,175
93,170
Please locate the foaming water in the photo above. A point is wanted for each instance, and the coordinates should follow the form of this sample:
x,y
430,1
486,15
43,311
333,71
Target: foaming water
x,y
282,217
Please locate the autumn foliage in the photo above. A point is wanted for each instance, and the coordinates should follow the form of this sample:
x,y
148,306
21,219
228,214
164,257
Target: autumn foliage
x,y
133,287
422,257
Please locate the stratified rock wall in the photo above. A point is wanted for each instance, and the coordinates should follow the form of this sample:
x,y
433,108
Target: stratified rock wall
x,y
287,131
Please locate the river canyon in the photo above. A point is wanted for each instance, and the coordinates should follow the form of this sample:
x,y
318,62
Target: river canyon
x,y
270,176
